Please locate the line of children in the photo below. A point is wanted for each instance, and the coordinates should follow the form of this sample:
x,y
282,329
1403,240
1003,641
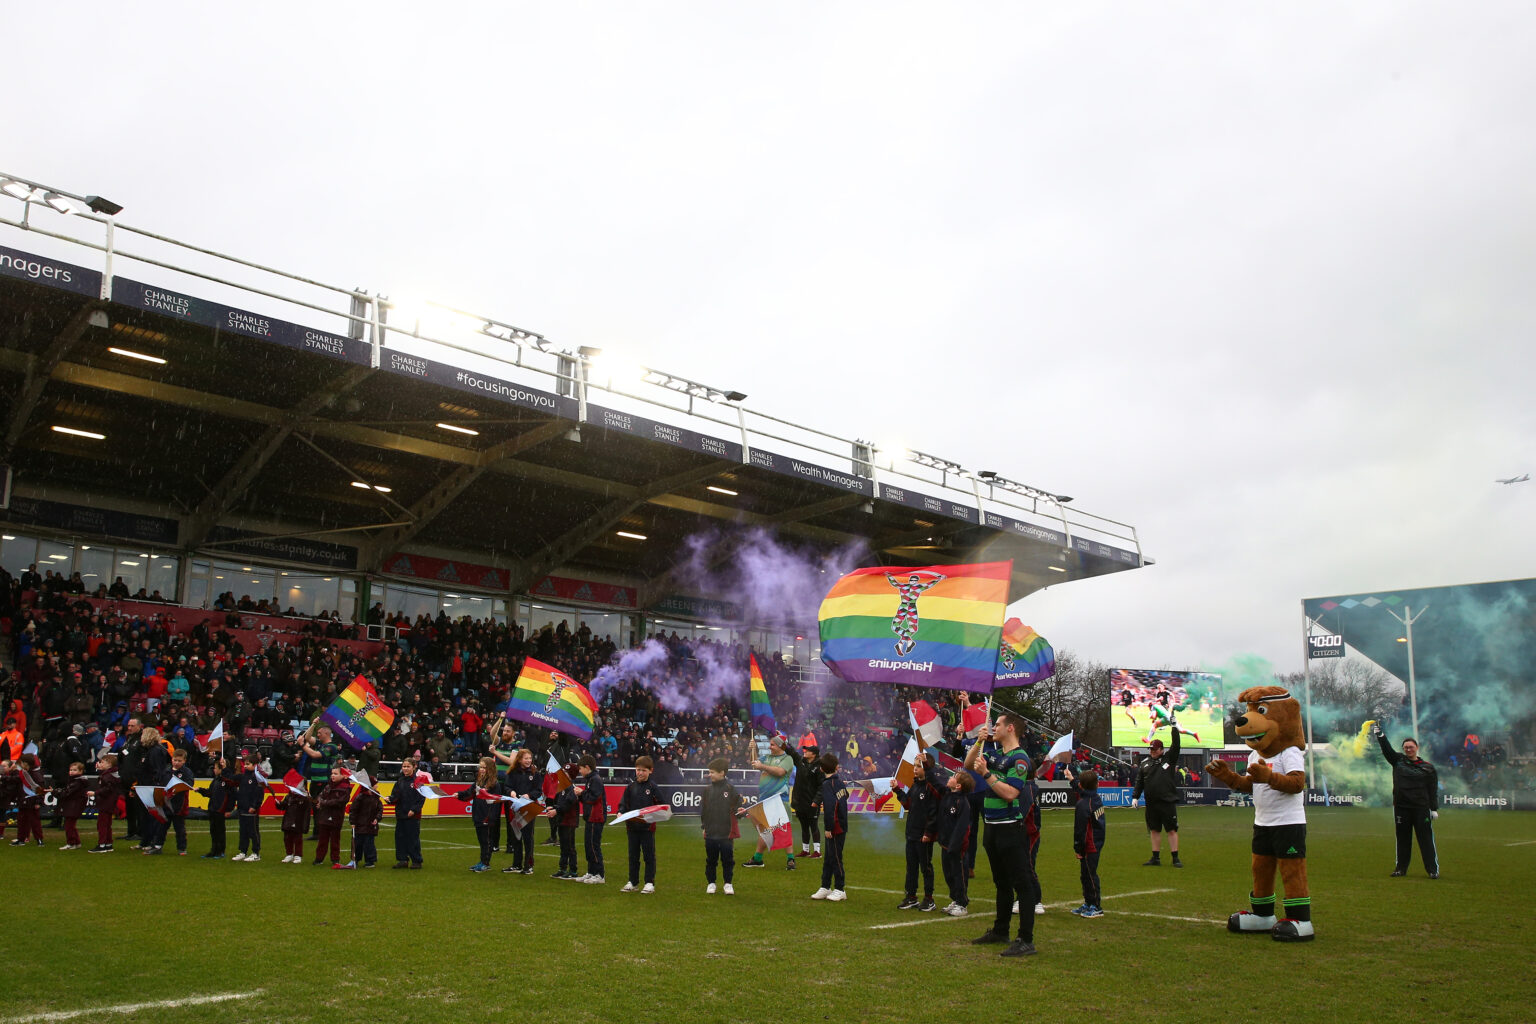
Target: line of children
x,y
952,831
594,812
485,810
220,793
567,816
367,815
1088,827
921,799
108,789
331,811
834,826
640,833
408,802
526,782
251,792
718,812
297,807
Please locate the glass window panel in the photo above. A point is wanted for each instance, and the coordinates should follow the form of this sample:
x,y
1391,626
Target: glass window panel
x,y
55,556
96,568
163,570
18,553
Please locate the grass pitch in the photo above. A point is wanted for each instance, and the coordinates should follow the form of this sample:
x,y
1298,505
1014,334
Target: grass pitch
x,y
442,944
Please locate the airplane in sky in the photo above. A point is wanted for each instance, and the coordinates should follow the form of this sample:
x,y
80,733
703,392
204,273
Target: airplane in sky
x,y
1514,479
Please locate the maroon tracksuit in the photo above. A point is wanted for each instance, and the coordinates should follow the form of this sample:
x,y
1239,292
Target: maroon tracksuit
x,y
331,809
108,789
71,806
295,822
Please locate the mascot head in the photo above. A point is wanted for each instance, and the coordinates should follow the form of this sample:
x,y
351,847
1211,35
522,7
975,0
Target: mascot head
x,y
1269,720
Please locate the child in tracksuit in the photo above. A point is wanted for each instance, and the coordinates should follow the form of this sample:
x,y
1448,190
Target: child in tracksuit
x,y
640,833
594,812
29,820
952,831
178,805
485,811
408,802
366,814
108,789
921,800
1088,840
717,817
220,792
567,815
297,807
330,812
248,798
72,805
834,827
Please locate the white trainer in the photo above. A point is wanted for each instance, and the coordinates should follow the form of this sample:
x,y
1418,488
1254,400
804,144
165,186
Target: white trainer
x,y
710,888
836,896
238,856
730,890
648,889
629,887
1039,908
956,910
255,857
821,894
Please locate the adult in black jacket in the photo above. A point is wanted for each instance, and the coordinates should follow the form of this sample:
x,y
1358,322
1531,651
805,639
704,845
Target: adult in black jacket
x,y
805,799
1415,803
128,771
1158,784
921,800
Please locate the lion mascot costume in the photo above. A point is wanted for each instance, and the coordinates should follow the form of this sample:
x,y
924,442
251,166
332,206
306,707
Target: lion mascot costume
x,y
1270,723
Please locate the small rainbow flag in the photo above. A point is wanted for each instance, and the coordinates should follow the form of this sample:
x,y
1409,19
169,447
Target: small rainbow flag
x,y
1023,658
357,715
546,696
762,713
939,625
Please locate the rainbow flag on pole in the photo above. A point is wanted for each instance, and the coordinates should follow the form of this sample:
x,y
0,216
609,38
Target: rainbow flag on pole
x,y
357,715
939,625
762,713
546,696
1023,657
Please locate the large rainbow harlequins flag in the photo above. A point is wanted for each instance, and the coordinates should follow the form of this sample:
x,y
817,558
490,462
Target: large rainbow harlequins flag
x,y
938,625
357,715
546,696
1024,657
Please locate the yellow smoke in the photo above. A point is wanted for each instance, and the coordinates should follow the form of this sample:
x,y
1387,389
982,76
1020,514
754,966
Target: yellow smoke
x,y
1362,738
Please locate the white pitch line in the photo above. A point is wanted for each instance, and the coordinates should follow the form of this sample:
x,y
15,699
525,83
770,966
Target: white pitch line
x,y
1049,906
1528,842
164,1004
1167,917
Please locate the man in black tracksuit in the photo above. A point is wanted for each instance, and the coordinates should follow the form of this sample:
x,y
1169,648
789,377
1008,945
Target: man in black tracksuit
x,y
921,800
1415,803
805,800
1158,782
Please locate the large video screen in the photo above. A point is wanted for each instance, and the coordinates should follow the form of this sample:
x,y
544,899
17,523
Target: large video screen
x,y
1147,704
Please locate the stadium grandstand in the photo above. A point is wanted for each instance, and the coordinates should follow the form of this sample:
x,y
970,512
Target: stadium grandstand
x,y
283,481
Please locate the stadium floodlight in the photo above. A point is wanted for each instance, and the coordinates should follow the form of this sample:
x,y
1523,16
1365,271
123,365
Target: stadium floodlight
x,y
934,462
131,354
630,535
735,396
722,490
55,198
1004,484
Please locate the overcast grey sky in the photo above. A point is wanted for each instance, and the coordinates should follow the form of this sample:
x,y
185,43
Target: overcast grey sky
x,y
1258,282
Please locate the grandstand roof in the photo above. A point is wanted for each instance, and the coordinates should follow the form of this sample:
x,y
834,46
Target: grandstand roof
x,y
267,412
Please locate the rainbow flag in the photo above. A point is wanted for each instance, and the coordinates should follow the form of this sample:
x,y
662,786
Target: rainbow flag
x,y
546,696
938,626
357,715
762,713
1023,658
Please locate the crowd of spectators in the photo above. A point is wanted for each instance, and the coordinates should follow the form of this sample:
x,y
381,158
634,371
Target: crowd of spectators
x,y
84,667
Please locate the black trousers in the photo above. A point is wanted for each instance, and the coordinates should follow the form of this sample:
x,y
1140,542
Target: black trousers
x,y
810,828
954,877
919,859
407,840
487,844
1088,870
521,844
366,851
250,833
642,843
1415,821
568,848
1008,852
133,814
975,844
832,861
216,831
593,838
722,852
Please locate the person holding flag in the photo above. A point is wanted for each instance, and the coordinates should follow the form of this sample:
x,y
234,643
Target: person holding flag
x,y
408,802
1006,805
775,777
524,782
322,755
805,798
